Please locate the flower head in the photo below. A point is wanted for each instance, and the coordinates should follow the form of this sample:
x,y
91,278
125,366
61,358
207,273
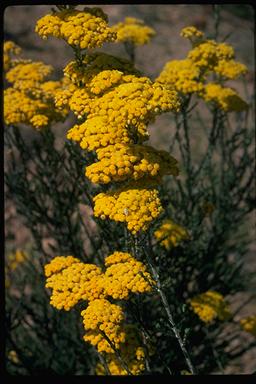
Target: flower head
x,y
124,274
230,69
72,281
134,31
122,114
99,318
248,324
209,306
182,75
171,234
27,75
224,97
137,207
10,49
82,29
191,33
15,259
20,108
207,54
121,162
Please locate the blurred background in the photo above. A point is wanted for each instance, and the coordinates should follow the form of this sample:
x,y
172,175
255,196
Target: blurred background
x,y
236,27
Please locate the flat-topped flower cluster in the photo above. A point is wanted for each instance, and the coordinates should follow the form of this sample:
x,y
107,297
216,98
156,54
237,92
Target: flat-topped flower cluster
x,y
205,60
29,98
72,281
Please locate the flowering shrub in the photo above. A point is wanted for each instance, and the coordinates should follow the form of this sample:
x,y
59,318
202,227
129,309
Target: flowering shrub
x,y
145,283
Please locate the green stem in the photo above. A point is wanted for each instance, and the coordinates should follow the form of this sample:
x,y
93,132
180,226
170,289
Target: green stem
x,y
168,312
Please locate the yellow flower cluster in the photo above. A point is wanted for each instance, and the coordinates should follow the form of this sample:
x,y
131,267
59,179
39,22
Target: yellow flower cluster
x,y
210,305
15,259
171,234
12,355
248,324
25,76
49,88
97,73
120,162
78,101
137,207
59,263
104,81
73,282
131,353
95,132
230,69
81,29
206,57
115,104
63,94
49,25
191,32
226,98
39,121
121,115
125,274
19,108
182,75
9,49
207,54
101,315
134,31
118,112
30,99
117,257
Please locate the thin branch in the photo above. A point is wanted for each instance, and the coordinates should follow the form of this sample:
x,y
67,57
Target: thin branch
x,y
118,355
174,328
